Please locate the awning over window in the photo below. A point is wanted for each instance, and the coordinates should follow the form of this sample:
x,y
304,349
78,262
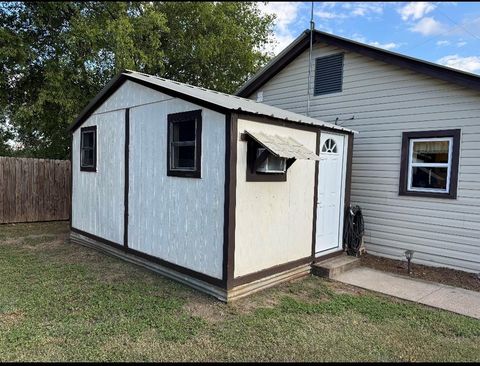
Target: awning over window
x,y
284,147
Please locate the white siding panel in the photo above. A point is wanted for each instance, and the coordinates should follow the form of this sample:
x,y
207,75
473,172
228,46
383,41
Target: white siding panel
x,y
98,197
385,101
177,219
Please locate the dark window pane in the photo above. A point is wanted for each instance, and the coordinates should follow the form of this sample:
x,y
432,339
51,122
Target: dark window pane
x,y
184,131
88,139
87,157
427,177
430,151
184,157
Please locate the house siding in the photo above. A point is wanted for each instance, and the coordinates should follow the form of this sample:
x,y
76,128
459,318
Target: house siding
x,y
385,101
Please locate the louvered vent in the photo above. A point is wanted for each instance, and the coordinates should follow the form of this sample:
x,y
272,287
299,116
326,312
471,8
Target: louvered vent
x,y
328,74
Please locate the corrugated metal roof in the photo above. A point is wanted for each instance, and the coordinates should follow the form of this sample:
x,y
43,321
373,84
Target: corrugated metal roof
x,y
231,102
283,147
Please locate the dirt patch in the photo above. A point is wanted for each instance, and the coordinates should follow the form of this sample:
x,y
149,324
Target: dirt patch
x,y
11,318
207,308
442,275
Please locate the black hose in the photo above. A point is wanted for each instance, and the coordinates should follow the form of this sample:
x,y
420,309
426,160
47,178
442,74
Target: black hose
x,y
354,230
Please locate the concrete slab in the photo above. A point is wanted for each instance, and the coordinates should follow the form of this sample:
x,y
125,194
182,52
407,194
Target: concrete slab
x,y
455,299
450,298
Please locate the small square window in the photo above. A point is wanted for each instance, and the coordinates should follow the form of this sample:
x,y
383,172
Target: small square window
x,y
429,164
88,149
184,144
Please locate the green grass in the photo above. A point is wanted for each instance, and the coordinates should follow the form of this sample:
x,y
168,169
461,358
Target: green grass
x,y
64,302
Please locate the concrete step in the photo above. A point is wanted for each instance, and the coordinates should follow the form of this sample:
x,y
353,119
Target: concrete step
x,y
332,267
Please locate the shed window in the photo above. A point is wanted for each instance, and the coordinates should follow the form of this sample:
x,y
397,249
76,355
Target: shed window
x,y
431,163
184,144
88,148
328,74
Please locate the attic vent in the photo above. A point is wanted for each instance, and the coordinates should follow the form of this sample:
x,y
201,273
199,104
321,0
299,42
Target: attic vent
x,y
328,74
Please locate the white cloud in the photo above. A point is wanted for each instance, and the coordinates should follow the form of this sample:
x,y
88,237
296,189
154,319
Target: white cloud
x,y
329,15
387,46
363,9
443,43
469,63
416,10
428,26
461,44
285,14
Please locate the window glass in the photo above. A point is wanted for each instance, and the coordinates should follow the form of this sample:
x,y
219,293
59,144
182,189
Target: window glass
x,y
430,151
88,139
184,131
429,177
184,157
87,158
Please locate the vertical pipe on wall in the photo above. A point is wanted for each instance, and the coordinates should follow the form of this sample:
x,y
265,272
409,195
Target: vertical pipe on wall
x,y
312,27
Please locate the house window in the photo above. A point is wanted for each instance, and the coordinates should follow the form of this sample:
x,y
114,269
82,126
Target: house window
x,y
184,144
328,74
88,149
430,163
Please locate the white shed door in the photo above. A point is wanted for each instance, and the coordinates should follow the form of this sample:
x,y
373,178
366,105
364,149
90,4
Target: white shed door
x,y
330,196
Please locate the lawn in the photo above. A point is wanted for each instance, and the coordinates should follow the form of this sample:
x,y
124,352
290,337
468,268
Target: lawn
x,y
64,302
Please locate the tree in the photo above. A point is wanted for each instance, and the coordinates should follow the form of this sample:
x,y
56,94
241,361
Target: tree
x,y
56,56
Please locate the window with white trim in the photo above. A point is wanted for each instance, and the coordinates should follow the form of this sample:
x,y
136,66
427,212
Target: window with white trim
x,y
429,164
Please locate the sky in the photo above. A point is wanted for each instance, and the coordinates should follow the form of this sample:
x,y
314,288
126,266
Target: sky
x,y
447,33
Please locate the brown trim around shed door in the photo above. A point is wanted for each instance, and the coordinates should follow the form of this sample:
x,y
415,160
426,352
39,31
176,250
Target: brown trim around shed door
x,y
315,195
348,184
403,181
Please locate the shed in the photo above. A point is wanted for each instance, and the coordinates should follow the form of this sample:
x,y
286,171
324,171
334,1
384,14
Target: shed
x,y
219,192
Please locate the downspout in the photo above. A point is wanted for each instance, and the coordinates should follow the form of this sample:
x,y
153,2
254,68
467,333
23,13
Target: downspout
x,y
312,27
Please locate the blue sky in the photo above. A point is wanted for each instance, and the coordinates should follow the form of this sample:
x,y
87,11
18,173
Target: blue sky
x,y
447,33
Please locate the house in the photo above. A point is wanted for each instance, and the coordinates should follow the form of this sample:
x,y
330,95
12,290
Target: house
x,y
216,191
416,161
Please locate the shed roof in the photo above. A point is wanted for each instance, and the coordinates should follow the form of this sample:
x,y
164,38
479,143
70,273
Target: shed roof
x,y
302,43
210,99
283,147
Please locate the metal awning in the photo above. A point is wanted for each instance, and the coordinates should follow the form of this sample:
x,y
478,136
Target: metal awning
x,y
284,147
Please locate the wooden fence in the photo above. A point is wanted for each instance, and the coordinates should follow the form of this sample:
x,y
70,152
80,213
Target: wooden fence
x,y
34,190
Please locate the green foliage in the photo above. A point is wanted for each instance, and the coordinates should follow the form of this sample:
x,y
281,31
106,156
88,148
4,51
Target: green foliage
x,y
56,56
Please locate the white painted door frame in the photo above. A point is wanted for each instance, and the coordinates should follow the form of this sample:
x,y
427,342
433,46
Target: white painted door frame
x,y
322,249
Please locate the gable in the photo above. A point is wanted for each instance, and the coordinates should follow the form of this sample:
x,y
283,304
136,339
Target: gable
x,y
128,95
298,47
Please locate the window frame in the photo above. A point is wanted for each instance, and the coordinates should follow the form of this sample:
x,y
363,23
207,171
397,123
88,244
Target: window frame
x,y
408,140
173,118
83,130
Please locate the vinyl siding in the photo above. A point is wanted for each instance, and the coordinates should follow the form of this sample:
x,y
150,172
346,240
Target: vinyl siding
x,y
386,100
